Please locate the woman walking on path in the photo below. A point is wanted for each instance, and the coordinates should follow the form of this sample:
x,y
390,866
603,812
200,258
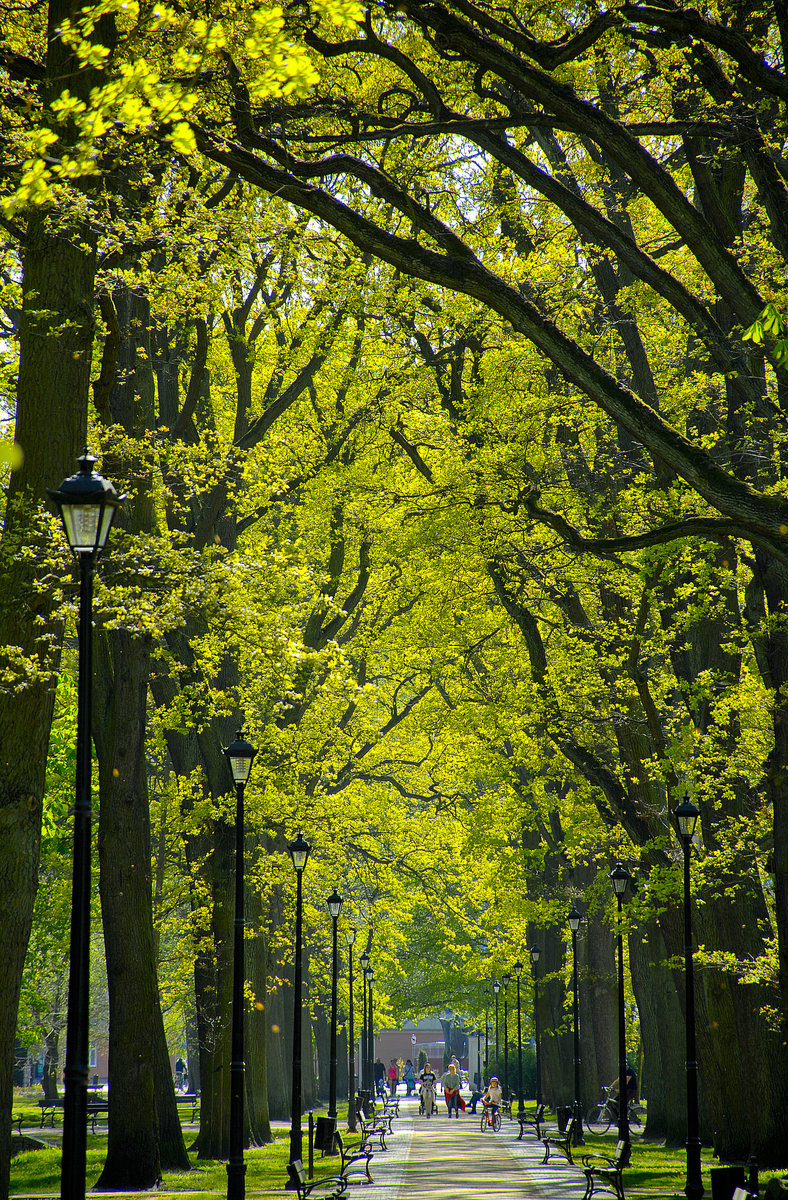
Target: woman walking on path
x,y
451,1090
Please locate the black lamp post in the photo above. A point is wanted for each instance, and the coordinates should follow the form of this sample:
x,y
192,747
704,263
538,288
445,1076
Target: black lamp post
x,y
299,853
363,959
577,1112
486,1072
371,1042
536,954
87,504
686,815
334,905
620,878
351,1054
505,980
496,988
518,966
240,755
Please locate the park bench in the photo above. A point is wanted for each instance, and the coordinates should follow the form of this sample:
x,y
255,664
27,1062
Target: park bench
x,y
561,1141
357,1154
49,1110
374,1129
16,1119
188,1100
95,1110
535,1122
391,1106
332,1187
603,1172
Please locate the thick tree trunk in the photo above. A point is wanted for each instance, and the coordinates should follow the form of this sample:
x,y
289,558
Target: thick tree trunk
x,y
56,333
126,903
662,1032
255,1026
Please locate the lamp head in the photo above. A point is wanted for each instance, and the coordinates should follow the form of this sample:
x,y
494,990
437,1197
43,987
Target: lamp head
x,y
334,904
517,968
240,754
351,935
686,815
535,953
496,986
299,851
506,979
574,919
86,503
363,958
620,878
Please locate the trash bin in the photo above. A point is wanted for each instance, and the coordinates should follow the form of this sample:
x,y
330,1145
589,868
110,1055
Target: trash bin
x,y
724,1181
563,1115
325,1135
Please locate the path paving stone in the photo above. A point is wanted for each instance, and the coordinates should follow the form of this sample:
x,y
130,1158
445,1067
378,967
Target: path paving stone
x,y
444,1159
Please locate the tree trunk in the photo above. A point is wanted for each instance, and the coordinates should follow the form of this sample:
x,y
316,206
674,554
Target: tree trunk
x,y
255,1026
56,332
132,1161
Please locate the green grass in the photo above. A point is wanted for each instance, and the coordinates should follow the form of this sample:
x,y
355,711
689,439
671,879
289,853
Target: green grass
x,y
38,1171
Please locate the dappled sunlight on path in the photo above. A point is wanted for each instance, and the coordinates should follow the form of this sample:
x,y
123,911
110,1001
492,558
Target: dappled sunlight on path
x,y
444,1159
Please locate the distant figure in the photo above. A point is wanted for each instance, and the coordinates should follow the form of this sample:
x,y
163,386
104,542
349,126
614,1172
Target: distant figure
x,y
427,1081
451,1090
393,1075
380,1076
632,1087
410,1078
180,1073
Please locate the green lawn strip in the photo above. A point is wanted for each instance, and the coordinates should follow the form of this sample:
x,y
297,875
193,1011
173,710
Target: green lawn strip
x,y
38,1171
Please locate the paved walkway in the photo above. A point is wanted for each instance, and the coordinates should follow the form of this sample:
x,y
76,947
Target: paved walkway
x,y
444,1159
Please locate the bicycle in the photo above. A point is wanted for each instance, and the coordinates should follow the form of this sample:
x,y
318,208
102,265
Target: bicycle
x,y
490,1120
605,1114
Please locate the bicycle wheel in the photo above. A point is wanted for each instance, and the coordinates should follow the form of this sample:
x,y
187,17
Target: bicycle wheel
x,y
484,1124
496,1121
598,1120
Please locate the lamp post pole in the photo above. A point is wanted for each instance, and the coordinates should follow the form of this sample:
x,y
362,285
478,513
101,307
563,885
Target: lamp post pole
x,y
334,905
686,815
486,1071
535,954
518,966
577,1111
363,959
496,988
371,977
620,878
505,980
87,504
299,853
239,755
351,1057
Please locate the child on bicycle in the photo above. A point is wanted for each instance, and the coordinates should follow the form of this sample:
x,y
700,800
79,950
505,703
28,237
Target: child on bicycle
x,y
492,1097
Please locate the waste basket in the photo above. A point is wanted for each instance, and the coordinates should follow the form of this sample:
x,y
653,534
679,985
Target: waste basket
x,y
563,1115
724,1181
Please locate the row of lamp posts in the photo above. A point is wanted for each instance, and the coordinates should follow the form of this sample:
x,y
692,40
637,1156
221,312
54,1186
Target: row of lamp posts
x,y
87,504
686,815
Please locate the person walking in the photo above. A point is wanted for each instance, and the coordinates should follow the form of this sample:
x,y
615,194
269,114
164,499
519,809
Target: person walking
x,y
410,1078
393,1074
451,1090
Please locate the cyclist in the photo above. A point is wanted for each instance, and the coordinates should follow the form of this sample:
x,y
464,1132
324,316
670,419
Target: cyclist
x,y
632,1087
492,1097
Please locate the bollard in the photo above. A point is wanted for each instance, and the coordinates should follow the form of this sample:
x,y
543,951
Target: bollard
x,y
752,1175
311,1144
